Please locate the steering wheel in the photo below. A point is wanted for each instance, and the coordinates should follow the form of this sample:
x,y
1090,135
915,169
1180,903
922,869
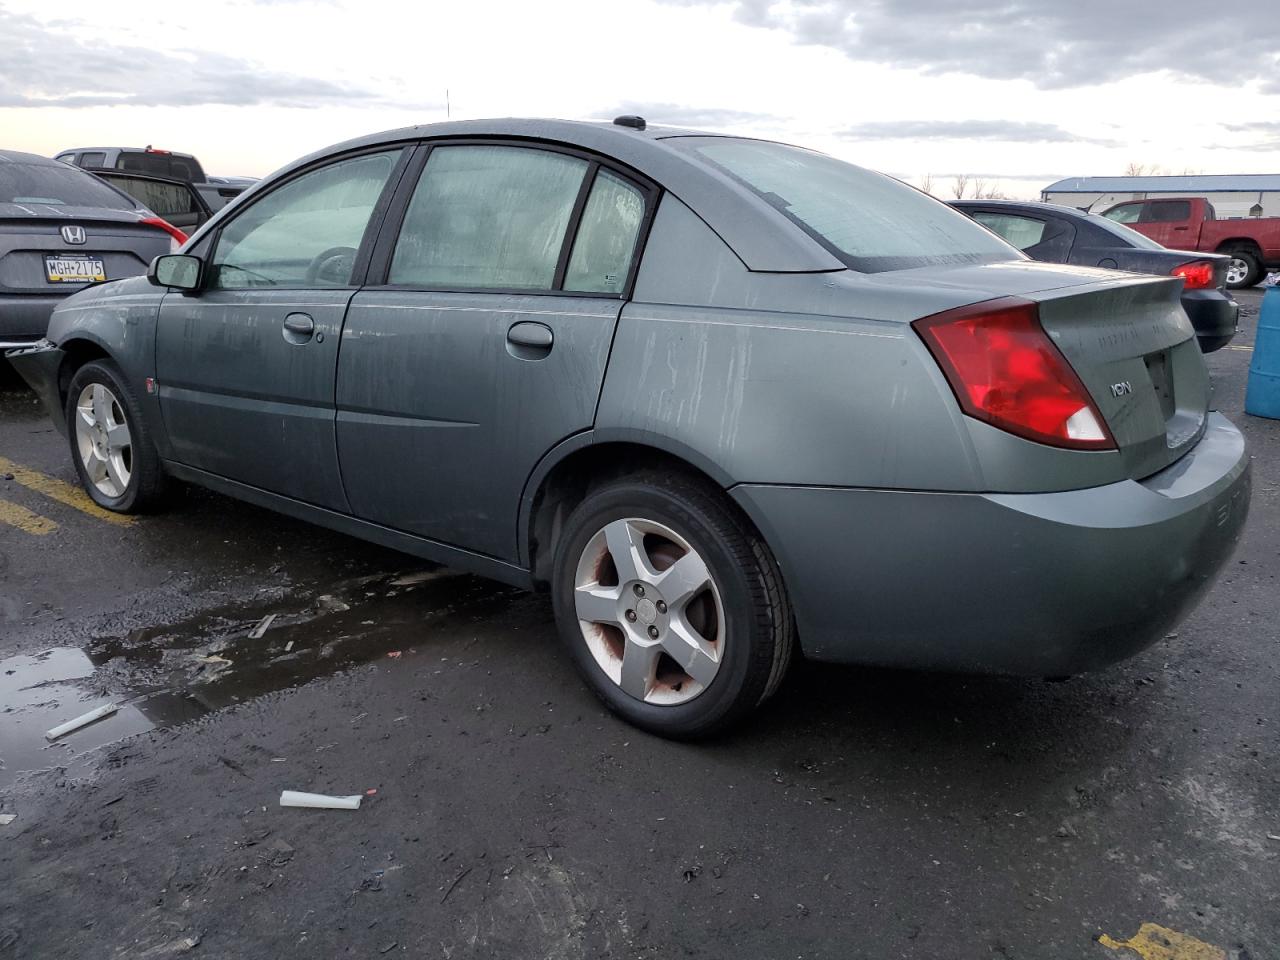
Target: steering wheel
x,y
332,266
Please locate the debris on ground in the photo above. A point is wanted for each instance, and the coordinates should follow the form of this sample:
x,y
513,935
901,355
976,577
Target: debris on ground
x,y
332,603
7,818
106,710
263,626
421,576
319,801
288,646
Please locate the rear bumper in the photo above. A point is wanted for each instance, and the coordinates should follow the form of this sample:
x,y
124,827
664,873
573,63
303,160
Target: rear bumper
x,y
27,317
1046,584
39,365
1215,316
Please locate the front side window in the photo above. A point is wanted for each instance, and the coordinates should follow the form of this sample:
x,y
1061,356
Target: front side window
x,y
487,217
1125,213
606,240
305,233
1022,232
872,222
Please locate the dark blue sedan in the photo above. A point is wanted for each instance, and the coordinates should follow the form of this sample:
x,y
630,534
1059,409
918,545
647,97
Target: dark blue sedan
x,y
1056,234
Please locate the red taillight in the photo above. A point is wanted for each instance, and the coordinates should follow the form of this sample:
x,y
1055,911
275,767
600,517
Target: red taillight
x,y
179,238
1006,371
1195,276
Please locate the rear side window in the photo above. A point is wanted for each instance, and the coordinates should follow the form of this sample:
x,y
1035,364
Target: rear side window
x,y
870,221
56,185
487,217
92,159
1022,232
1167,211
606,240
305,233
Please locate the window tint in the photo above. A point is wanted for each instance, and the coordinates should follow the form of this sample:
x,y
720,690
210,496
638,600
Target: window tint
x,y
1167,211
606,239
165,199
93,159
160,165
487,217
1022,232
56,185
305,233
872,221
1125,213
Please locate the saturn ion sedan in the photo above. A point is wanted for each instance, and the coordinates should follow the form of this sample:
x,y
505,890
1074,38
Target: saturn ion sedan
x,y
725,399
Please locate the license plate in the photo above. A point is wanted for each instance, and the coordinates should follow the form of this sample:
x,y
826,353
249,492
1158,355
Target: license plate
x,y
74,269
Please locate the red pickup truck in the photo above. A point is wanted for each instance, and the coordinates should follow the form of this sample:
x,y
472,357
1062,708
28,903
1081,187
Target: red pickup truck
x,y
1189,223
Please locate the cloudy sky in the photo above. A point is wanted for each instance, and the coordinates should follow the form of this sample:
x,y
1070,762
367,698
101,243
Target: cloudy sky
x,y
1017,91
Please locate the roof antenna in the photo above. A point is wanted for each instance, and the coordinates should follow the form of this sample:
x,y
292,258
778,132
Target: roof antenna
x,y
628,120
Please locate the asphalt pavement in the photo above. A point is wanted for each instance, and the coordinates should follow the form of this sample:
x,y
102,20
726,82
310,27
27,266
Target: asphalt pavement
x,y
505,813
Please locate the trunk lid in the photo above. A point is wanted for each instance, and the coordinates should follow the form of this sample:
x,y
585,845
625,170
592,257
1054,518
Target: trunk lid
x,y
31,239
1132,346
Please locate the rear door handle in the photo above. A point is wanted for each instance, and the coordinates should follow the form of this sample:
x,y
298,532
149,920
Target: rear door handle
x,y
529,341
298,327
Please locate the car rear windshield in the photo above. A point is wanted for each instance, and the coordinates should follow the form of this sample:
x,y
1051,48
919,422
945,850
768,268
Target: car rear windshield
x,y
161,165
870,221
56,185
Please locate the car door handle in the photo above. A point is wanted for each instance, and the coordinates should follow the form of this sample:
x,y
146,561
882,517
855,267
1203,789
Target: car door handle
x,y
1182,228
529,341
298,328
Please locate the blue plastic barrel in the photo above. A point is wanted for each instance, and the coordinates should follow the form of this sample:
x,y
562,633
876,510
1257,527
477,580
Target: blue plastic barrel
x,y
1262,398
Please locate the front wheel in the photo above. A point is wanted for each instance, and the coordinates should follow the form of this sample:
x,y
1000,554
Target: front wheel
x,y
1244,270
112,450
672,607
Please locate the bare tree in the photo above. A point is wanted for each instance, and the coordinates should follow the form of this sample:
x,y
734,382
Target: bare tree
x,y
983,192
1135,169
926,183
959,184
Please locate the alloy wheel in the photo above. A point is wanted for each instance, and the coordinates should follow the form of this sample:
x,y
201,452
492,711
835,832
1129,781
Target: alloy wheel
x,y
1237,270
650,611
103,440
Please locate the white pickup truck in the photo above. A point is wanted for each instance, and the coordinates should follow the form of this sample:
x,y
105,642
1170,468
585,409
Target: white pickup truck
x,y
217,192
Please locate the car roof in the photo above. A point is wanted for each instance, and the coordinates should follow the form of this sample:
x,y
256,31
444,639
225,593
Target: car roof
x,y
171,153
1031,206
760,234
33,159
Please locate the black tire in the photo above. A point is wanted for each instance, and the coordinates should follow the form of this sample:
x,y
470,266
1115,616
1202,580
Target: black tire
x,y
1253,273
146,476
758,631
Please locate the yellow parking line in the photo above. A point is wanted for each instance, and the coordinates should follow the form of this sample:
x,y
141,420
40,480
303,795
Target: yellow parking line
x,y
1243,349
25,520
61,491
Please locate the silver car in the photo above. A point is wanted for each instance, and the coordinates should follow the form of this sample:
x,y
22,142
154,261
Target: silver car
x,y
723,398
61,229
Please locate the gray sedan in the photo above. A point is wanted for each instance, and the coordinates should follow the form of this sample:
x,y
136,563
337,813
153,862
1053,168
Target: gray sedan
x,y
723,398
60,229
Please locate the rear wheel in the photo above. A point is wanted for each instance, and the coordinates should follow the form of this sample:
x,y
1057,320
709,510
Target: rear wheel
x,y
1244,270
113,453
672,608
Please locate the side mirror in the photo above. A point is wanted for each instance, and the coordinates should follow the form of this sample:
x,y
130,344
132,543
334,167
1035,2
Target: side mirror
x,y
179,271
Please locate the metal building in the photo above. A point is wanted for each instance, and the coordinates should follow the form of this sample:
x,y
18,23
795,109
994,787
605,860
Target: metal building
x,y
1232,195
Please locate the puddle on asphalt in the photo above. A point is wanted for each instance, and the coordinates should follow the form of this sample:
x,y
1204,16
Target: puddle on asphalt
x,y
164,675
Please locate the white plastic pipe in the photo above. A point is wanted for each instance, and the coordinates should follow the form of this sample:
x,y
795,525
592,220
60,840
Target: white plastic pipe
x,y
83,720
292,798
